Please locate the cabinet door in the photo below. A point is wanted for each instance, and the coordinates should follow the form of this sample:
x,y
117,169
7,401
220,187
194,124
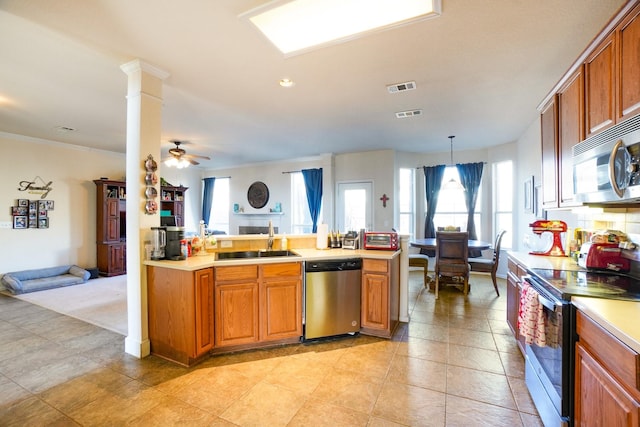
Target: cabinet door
x,y
116,259
570,132
629,65
375,301
236,308
281,302
600,83
112,220
203,294
599,399
549,136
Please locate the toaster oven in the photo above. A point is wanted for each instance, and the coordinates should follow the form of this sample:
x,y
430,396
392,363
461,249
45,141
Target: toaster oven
x,y
381,240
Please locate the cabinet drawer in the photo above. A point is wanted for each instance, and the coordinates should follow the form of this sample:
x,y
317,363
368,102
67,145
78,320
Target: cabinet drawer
x,y
379,265
280,270
611,352
238,272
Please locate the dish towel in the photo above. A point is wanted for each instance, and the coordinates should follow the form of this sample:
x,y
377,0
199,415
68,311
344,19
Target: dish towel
x,y
531,323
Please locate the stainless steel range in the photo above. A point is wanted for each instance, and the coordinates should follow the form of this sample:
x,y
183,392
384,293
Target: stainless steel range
x,y
549,369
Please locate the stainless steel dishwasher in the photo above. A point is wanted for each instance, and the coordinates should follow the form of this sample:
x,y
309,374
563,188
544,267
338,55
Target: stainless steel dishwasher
x,y
332,297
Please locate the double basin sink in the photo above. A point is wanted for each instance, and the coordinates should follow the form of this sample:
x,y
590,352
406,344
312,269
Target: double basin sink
x,y
255,254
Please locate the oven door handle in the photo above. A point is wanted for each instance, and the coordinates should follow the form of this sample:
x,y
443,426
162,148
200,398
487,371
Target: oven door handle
x,y
548,303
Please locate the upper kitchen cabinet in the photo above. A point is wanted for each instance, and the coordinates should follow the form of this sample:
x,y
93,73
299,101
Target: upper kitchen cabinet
x,y
629,65
600,83
612,76
601,89
549,133
570,132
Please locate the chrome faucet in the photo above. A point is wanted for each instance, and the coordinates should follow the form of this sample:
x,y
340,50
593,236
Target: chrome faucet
x,y
270,240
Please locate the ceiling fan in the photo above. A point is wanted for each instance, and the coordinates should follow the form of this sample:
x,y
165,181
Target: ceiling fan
x,y
179,158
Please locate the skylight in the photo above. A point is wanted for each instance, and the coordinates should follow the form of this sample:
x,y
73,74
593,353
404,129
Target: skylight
x,y
299,25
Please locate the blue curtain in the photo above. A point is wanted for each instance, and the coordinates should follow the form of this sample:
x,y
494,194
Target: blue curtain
x,y
470,176
313,185
432,180
207,199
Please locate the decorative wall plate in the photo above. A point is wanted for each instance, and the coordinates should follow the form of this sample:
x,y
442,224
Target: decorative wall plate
x,y
258,195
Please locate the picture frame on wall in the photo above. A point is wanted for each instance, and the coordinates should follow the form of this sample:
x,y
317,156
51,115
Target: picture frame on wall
x,y
23,202
537,203
528,196
19,210
33,221
20,221
43,222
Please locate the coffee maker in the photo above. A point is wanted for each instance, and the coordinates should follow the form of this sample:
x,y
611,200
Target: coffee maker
x,y
172,250
158,242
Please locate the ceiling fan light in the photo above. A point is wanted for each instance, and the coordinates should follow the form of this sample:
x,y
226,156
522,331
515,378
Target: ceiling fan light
x,y
171,162
452,184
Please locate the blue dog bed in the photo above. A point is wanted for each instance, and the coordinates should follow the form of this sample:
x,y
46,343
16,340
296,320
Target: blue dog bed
x,y
20,282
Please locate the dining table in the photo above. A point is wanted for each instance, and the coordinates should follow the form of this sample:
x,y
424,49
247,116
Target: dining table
x,y
430,243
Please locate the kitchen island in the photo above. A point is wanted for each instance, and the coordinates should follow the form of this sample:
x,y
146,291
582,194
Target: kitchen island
x,y
204,305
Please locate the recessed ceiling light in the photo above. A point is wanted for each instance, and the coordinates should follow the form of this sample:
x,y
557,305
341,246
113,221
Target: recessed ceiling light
x,y
295,26
287,83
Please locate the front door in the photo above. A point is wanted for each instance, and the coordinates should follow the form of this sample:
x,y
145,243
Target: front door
x,y
355,206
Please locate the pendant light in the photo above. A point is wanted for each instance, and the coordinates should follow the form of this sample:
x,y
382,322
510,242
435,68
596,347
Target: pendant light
x,y
452,184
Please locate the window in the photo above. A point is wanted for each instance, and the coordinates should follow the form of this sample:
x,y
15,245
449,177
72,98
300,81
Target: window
x,y
219,219
451,210
503,201
406,202
301,222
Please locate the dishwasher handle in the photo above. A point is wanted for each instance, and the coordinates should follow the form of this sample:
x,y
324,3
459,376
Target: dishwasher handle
x,y
335,265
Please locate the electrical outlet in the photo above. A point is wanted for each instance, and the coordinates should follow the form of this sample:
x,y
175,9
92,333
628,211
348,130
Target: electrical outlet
x,y
5,224
226,244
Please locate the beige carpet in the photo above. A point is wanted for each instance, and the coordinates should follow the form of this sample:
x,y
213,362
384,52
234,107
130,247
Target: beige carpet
x,y
101,302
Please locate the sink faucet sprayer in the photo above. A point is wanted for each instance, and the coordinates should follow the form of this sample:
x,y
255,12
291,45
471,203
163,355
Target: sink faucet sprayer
x,y
270,240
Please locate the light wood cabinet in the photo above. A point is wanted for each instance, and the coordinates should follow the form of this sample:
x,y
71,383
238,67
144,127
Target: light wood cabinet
x,y
606,378
380,306
180,313
255,304
236,305
281,296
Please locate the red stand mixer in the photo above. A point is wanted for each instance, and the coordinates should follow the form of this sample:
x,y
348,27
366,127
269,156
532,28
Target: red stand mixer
x,y
555,227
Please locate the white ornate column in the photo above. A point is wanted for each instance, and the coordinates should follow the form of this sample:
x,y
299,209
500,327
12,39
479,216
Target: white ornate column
x,y
144,125
404,278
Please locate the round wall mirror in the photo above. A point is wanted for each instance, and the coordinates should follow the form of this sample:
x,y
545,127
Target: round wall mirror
x,y
258,195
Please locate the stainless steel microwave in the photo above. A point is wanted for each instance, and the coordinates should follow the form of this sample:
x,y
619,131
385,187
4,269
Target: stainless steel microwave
x,y
606,168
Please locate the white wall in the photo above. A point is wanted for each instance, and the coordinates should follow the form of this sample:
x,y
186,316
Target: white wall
x,y
279,185
71,236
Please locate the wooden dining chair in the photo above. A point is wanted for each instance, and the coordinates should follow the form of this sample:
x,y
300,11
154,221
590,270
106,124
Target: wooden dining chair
x,y
489,265
452,257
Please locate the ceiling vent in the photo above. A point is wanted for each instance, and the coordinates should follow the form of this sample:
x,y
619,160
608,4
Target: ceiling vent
x,y
408,113
64,129
401,87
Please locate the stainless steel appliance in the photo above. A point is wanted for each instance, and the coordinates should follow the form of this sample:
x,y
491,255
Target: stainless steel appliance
x,y
350,240
332,297
549,369
385,240
606,166
173,250
158,242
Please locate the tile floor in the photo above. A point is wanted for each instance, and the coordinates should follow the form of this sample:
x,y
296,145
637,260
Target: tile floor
x,y
453,364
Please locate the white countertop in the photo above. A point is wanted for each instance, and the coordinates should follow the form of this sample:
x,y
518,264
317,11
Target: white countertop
x,y
545,262
204,261
620,318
